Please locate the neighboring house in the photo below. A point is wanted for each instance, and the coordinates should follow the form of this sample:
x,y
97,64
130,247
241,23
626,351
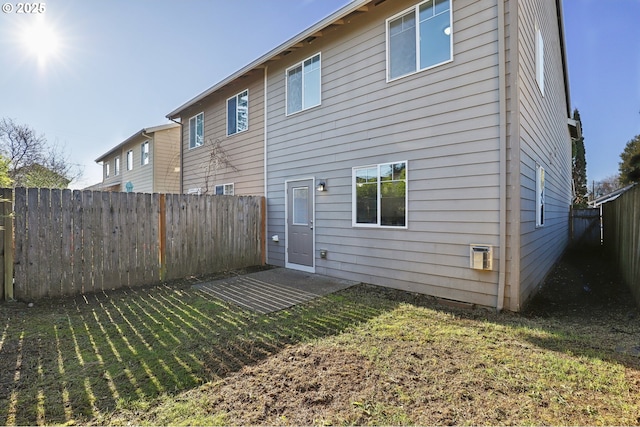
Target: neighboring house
x,y
610,197
146,162
223,138
438,132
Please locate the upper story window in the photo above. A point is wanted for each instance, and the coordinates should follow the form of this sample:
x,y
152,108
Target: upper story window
x,y
303,85
196,130
419,38
238,113
540,196
130,160
144,153
540,60
380,195
107,169
224,189
116,166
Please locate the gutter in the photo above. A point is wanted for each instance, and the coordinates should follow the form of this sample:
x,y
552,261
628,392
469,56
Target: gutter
x,y
181,156
502,96
265,154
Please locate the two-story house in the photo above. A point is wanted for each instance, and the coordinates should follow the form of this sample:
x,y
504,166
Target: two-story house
x,y
419,145
146,162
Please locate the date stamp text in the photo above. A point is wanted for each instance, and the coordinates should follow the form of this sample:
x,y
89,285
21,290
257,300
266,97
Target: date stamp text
x,y
24,8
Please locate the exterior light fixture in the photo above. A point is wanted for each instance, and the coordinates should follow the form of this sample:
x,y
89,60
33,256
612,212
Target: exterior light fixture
x,y
322,186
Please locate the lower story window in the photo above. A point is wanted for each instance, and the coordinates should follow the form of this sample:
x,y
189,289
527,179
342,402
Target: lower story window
x,y
380,195
224,190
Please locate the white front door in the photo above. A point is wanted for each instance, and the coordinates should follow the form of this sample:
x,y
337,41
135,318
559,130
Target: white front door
x,y
300,234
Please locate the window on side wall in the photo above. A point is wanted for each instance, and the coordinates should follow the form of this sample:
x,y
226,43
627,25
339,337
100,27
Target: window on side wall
x,y
380,195
116,166
238,113
196,130
107,170
540,60
130,160
540,196
144,153
419,38
224,190
303,85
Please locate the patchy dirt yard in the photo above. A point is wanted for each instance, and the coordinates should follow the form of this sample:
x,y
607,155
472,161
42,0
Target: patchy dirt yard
x,y
171,355
570,358
585,285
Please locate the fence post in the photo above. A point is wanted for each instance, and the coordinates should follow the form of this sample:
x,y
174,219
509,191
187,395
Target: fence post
x,y
7,219
263,230
162,237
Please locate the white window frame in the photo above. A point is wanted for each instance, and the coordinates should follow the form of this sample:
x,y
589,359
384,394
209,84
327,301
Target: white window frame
x,y
107,169
237,98
286,85
116,166
541,211
227,189
195,125
354,202
539,59
144,153
416,10
130,160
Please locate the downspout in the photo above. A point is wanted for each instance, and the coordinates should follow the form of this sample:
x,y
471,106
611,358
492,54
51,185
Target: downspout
x,y
502,101
181,160
264,166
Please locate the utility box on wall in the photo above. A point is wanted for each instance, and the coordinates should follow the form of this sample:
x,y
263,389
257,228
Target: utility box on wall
x,y
481,257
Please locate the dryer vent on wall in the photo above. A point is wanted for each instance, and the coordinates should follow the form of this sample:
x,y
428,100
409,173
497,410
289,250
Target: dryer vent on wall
x,y
481,257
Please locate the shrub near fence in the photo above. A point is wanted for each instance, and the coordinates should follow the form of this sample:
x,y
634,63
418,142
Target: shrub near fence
x,y
621,220
72,242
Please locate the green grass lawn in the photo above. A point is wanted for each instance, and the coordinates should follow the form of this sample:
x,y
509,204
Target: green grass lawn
x,y
172,355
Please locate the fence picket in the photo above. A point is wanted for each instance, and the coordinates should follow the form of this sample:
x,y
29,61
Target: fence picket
x,y
66,261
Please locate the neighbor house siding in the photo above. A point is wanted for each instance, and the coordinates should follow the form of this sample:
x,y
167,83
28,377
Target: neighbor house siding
x,y
141,176
244,150
166,161
544,140
443,121
157,176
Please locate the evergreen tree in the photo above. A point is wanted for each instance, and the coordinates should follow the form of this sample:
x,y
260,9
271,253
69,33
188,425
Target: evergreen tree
x,y
579,168
630,162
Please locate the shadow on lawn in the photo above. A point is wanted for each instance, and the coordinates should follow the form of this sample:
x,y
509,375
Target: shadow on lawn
x,y
75,359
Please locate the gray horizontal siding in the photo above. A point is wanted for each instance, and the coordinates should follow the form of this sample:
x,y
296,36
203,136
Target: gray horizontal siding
x,y
244,150
443,121
544,140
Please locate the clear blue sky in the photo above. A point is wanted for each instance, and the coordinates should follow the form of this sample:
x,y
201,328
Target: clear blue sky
x,y
122,65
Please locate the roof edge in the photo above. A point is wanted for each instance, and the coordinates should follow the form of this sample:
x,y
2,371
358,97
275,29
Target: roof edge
x,y
141,132
351,7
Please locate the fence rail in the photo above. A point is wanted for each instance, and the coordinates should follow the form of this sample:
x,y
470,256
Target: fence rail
x,y
73,242
621,219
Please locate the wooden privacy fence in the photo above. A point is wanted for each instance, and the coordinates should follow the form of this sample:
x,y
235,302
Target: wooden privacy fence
x,y
621,219
585,227
73,242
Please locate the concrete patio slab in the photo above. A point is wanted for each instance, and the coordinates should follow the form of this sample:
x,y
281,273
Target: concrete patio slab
x,y
273,290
